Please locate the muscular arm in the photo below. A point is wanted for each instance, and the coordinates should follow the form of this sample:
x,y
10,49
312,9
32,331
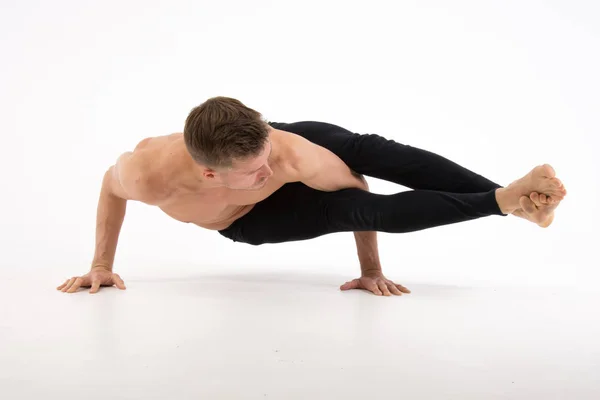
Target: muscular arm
x,y
321,169
110,214
121,182
126,180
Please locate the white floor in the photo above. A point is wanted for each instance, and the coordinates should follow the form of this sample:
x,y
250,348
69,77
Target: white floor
x,y
284,335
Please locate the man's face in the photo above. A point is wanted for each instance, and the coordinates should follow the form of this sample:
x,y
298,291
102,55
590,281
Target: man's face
x,y
249,174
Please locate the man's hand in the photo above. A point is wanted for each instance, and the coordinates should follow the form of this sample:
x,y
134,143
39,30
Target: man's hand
x,y
376,283
98,276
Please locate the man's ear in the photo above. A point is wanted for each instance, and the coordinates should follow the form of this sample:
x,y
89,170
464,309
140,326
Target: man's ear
x,y
208,173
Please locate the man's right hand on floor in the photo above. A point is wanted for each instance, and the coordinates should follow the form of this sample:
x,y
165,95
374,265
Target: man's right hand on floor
x,y
98,276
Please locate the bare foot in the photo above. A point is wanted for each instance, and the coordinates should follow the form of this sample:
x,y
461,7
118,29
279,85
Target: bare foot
x,y
541,179
537,208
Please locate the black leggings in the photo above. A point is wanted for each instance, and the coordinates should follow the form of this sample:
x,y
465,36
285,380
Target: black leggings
x,y
445,193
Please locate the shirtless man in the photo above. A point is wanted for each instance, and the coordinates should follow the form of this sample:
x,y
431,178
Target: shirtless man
x,y
260,182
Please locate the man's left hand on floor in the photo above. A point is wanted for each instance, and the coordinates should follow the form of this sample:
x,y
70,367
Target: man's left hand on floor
x,y
376,283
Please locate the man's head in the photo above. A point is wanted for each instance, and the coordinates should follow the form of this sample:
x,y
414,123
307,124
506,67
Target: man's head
x,y
230,143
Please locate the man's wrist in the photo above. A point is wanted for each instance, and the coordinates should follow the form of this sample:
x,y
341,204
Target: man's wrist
x,y
370,270
104,266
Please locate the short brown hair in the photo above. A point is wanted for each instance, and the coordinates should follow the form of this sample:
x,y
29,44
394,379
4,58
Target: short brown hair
x,y
223,129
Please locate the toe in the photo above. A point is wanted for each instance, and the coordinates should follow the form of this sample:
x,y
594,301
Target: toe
x,y
555,200
554,188
543,199
559,181
549,171
555,183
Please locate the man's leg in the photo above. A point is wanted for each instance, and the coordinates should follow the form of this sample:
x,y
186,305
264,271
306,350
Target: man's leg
x,y
298,212
373,155
378,157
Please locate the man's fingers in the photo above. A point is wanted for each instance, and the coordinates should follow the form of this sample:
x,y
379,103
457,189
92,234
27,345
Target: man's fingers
x,y
69,283
63,285
384,289
535,197
118,281
76,284
95,286
350,285
402,289
527,204
393,289
373,287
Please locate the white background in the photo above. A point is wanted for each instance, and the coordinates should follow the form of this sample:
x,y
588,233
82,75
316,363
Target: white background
x,y
497,86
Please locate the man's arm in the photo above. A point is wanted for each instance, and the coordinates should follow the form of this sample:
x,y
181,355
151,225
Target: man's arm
x,y
321,169
110,214
121,182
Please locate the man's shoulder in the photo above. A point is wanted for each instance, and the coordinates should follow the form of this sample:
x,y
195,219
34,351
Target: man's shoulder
x,y
157,143
143,171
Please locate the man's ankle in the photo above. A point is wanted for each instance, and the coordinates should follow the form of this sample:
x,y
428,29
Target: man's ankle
x,y
506,200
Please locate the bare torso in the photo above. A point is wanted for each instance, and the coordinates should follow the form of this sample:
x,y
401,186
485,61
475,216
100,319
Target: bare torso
x,y
210,208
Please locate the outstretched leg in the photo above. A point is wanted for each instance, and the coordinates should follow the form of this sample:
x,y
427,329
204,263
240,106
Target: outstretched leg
x,y
298,212
373,155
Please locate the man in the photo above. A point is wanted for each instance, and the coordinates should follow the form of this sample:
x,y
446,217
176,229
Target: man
x,y
266,182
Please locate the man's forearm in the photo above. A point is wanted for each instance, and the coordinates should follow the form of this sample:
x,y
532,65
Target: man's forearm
x,y
366,242
109,220
368,253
